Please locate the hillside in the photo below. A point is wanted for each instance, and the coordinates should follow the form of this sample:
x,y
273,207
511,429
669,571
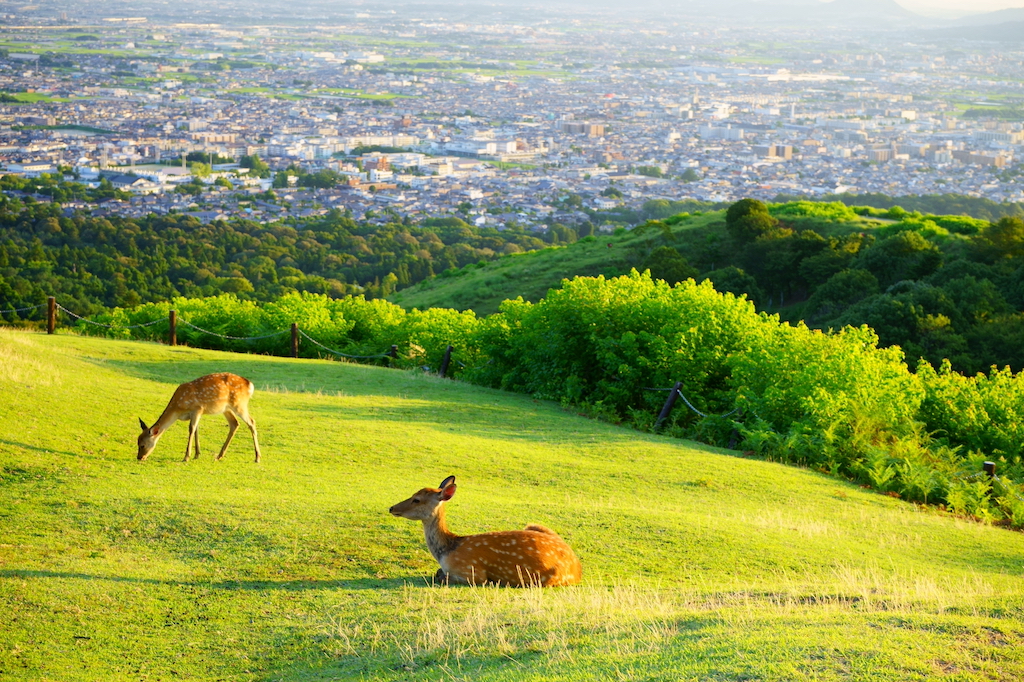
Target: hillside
x,y
698,564
938,286
482,288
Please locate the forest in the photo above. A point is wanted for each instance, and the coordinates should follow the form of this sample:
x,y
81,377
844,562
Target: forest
x,y
940,287
93,263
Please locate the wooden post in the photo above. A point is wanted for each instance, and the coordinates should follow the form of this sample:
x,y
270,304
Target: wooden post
x,y
172,327
444,363
667,407
990,469
392,355
51,314
295,339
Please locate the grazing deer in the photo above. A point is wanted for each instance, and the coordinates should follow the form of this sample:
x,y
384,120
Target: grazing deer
x,y
535,556
223,393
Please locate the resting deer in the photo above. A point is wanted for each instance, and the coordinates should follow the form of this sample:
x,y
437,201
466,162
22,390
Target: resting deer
x,y
223,393
535,556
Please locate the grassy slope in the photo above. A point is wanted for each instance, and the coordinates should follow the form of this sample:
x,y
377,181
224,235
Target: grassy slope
x,y
532,274
529,275
697,564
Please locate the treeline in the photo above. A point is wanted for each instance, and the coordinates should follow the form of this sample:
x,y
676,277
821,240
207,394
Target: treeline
x,y
834,402
937,286
937,204
92,263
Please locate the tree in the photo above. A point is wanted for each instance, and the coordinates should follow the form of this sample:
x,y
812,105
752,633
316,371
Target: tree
x,y
749,219
1004,238
257,167
690,175
200,170
906,255
668,264
735,281
840,292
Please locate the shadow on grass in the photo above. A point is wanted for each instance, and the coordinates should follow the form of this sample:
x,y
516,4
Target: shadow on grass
x,y
227,585
36,448
471,409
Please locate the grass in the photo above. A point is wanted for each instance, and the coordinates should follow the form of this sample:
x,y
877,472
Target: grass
x,y
698,564
532,274
35,98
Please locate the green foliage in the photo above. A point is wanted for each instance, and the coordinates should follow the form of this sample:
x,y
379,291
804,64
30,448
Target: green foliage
x,y
90,263
833,401
749,219
735,281
936,204
905,256
840,292
649,171
833,211
257,167
668,264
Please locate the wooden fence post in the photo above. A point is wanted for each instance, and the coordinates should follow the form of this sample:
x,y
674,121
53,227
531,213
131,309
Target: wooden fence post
x,y
295,339
392,355
444,363
51,314
172,325
667,407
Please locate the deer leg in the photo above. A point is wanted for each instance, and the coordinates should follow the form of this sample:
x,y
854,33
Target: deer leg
x,y
193,426
191,437
232,427
251,423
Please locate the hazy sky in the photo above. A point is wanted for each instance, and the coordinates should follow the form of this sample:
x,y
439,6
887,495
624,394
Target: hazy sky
x,y
958,7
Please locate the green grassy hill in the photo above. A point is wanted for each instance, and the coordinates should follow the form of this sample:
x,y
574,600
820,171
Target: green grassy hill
x,y
482,287
698,564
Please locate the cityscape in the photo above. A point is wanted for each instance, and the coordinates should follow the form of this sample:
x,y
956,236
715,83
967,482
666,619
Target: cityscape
x,y
501,117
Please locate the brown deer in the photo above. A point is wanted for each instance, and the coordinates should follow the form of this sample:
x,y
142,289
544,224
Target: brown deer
x,y
223,393
534,556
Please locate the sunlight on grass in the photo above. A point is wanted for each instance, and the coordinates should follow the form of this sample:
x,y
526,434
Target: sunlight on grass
x,y
698,565
17,364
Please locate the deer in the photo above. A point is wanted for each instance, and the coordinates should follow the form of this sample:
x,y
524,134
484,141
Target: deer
x,y
222,393
535,556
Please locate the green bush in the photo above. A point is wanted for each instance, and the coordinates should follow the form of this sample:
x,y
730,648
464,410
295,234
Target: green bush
x,y
609,347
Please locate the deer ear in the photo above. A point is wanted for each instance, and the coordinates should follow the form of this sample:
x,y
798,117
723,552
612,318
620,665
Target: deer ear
x,y
447,482
142,424
447,492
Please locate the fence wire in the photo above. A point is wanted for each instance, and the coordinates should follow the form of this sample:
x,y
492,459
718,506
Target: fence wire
x,y
227,336
21,310
109,326
338,352
690,405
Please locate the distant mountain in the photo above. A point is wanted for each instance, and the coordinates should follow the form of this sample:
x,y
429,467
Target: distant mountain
x,y
877,13
1003,16
877,9
1009,32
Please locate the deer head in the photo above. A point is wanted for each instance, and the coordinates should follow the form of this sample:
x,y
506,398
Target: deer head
x,y
422,505
147,439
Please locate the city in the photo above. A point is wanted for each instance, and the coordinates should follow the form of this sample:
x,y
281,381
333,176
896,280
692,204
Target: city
x,y
535,119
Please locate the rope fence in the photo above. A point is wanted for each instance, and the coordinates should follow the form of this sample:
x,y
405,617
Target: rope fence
x,y
339,353
232,338
21,310
172,320
392,354
676,392
79,318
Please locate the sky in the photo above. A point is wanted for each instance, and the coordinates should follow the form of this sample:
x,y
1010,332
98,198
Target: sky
x,y
957,7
